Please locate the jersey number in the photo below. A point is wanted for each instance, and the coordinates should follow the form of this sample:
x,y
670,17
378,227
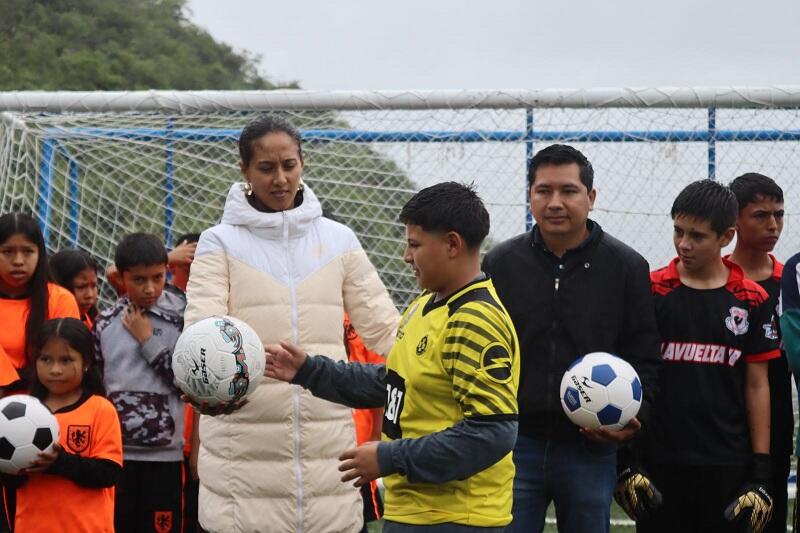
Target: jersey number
x,y
395,398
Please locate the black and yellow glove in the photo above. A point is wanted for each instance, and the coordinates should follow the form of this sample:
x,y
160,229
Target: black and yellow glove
x,y
752,506
636,494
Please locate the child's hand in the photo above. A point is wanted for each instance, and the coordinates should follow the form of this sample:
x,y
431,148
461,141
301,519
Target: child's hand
x,y
360,464
138,323
283,361
45,461
183,254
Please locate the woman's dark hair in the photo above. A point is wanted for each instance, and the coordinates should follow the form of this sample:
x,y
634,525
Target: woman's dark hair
x,y
67,264
262,126
77,335
25,225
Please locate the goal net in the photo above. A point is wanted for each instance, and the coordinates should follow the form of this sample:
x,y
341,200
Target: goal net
x,y
95,166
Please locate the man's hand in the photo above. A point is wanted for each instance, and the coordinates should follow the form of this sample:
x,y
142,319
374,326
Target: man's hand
x,y
205,408
636,494
283,361
360,464
44,461
138,323
606,435
183,254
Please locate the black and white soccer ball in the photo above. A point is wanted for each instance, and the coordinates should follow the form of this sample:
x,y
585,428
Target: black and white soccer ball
x,y
27,428
601,390
218,359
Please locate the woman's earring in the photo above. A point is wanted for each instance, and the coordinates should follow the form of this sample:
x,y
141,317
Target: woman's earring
x,y
248,189
302,185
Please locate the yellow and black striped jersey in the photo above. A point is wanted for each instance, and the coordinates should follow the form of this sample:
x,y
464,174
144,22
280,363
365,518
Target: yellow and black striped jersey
x,y
453,359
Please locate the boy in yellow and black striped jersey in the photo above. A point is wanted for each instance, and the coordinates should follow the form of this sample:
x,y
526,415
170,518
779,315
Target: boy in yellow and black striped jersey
x,y
449,387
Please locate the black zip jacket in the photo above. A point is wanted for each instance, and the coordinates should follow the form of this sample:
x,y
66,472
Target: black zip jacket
x,y
596,298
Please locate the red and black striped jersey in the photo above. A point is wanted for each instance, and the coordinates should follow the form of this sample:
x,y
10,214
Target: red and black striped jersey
x,y
707,336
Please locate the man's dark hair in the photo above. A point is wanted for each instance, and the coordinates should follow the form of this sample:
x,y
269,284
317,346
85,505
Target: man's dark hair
x,y
264,125
562,154
449,206
707,200
748,187
139,249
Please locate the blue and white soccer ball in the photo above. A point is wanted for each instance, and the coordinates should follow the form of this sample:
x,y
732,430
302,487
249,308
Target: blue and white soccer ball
x,y
27,428
600,390
218,359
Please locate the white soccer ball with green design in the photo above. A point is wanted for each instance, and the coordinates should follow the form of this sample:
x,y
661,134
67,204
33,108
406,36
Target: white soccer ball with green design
x,y
218,359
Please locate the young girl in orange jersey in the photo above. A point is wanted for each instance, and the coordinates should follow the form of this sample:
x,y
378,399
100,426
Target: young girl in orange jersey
x,y
26,298
76,271
71,488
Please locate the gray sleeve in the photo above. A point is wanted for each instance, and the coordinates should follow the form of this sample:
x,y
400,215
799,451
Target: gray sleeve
x,y
357,385
458,452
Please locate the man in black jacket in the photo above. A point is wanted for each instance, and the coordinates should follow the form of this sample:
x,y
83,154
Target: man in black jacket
x,y
570,289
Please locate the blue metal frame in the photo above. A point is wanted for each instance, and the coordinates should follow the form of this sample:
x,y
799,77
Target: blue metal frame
x,y
529,138
170,134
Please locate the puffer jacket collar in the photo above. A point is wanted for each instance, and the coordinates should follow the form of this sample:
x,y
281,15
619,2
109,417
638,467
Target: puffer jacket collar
x,y
239,212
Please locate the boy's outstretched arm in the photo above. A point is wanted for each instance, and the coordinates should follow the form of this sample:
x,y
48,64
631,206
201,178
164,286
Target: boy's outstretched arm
x,y
355,385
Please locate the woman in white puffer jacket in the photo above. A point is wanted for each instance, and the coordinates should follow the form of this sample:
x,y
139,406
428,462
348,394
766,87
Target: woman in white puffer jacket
x,y
275,262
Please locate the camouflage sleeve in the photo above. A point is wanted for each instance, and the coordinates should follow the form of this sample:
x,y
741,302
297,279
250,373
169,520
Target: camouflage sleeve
x,y
159,357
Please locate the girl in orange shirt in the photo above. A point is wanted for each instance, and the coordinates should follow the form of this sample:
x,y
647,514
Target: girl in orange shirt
x,y
71,488
76,271
26,298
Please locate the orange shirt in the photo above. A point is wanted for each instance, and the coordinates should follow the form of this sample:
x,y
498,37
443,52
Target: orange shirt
x,y
47,503
14,315
366,420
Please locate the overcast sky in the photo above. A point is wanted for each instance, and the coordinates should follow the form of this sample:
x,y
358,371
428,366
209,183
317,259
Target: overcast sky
x,y
480,44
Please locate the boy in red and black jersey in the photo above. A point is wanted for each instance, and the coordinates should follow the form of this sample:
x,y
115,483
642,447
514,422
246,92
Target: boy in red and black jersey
x,y
758,228
707,448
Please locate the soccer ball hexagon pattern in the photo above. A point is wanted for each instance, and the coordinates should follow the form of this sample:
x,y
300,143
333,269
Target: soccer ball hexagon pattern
x,y
601,390
27,428
218,359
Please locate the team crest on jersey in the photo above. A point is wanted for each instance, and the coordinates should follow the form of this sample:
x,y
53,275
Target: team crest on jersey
x,y
162,521
737,321
78,438
496,362
771,330
422,345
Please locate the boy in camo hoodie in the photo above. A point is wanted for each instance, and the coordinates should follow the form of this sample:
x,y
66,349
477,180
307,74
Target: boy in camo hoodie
x,y
134,340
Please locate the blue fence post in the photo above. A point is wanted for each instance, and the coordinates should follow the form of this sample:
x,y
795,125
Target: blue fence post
x,y
169,185
712,143
528,157
45,186
74,205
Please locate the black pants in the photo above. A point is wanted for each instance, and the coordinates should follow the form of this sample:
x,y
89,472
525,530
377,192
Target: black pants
x,y
780,475
149,497
695,498
191,488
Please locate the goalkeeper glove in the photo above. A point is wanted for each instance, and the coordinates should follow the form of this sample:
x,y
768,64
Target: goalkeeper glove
x,y
636,494
752,506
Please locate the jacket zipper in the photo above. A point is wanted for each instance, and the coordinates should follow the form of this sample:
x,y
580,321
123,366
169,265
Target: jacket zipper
x,y
553,349
298,472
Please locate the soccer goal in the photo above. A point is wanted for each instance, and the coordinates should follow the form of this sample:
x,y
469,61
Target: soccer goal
x,y
93,166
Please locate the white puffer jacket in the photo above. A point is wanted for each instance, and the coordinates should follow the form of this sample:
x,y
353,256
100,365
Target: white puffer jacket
x,y
272,465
